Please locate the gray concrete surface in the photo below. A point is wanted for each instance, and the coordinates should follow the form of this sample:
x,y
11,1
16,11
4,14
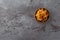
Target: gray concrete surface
x,y
17,20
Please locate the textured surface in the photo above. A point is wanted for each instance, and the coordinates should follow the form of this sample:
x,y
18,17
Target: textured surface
x,y
17,20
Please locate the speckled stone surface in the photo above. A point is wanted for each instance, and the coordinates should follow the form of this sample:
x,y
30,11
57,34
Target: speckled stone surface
x,y
17,20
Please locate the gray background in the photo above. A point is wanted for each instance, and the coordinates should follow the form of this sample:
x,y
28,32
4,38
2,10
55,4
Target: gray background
x,y
17,20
